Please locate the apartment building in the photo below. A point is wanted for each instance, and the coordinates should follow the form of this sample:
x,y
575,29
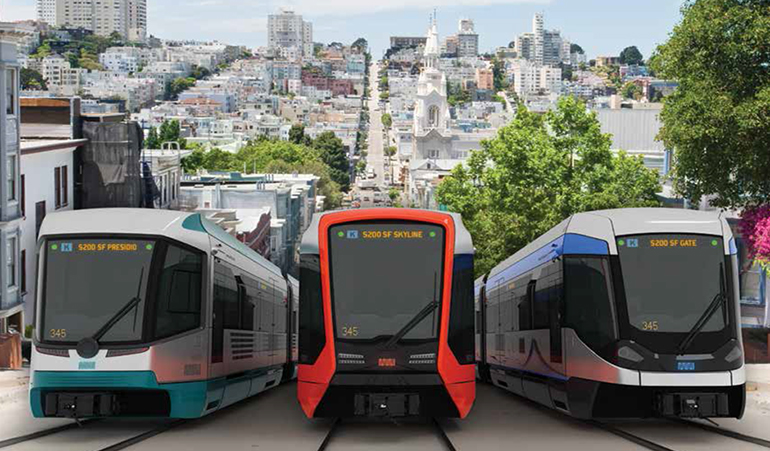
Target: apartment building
x,y
103,17
287,30
541,46
10,194
533,79
61,78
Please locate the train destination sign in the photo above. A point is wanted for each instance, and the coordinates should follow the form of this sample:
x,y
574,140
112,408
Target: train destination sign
x,y
662,241
387,234
100,246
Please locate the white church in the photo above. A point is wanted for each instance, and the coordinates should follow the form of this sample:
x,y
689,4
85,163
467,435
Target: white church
x,y
437,148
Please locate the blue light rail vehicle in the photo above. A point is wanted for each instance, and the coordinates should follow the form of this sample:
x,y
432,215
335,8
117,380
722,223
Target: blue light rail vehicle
x,y
627,313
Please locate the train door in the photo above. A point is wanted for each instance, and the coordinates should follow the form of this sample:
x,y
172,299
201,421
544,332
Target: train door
x,y
554,313
289,314
484,370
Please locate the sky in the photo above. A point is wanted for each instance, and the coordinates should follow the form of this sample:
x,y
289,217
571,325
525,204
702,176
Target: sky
x,y
601,27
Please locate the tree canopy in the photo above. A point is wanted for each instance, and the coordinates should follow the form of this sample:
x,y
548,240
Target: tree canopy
x,y
574,48
178,86
33,80
717,119
332,152
536,172
631,55
297,135
387,120
170,131
269,156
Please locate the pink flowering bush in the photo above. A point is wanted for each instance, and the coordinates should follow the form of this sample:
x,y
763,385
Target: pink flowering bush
x,y
755,228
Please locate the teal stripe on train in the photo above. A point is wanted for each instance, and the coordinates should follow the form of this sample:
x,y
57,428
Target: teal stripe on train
x,y
188,399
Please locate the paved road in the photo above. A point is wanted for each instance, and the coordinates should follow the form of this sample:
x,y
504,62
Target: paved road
x,y
376,158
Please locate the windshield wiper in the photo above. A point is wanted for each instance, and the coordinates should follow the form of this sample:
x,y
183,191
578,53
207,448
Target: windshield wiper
x,y
718,301
421,315
130,305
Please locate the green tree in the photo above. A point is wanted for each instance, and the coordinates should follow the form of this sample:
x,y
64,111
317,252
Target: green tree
x,y
194,161
384,95
574,48
332,152
297,135
153,140
717,119
32,79
631,55
170,131
390,151
361,44
199,72
631,91
43,50
498,74
387,121
257,154
539,170
217,159
179,85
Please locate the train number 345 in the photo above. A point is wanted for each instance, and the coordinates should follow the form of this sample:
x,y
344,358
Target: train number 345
x,y
58,333
350,331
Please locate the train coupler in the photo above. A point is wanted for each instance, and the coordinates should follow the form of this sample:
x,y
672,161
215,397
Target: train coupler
x,y
386,404
693,405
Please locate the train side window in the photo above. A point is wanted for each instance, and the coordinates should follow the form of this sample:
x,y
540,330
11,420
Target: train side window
x,y
588,300
462,309
178,302
226,294
247,306
549,290
312,336
525,306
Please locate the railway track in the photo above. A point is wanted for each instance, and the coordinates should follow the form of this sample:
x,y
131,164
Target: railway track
x,y
653,446
438,429
726,432
40,434
29,438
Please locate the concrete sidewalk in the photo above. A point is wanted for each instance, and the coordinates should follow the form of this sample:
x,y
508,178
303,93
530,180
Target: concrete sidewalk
x,y
14,385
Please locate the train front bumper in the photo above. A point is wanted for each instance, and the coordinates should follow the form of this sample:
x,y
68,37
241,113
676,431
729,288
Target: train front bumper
x,y
79,394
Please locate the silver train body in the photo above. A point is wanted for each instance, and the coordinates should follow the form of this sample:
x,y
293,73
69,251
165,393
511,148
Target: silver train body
x,y
150,313
596,317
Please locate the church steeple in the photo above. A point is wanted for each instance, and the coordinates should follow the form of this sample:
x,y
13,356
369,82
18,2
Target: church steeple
x,y
431,45
431,109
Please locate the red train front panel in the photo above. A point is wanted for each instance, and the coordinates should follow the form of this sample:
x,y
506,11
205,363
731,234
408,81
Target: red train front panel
x,y
386,315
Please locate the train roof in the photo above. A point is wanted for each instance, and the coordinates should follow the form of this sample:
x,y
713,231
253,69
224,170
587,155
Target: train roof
x,y
186,227
606,224
463,240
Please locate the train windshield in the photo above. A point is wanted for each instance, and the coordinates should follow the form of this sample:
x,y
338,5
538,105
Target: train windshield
x,y
88,281
670,280
386,279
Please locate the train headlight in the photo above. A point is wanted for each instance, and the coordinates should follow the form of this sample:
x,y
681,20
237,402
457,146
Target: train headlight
x,y
627,353
734,355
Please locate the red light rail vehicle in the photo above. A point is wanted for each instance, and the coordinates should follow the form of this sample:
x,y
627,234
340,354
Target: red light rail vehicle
x,y
386,316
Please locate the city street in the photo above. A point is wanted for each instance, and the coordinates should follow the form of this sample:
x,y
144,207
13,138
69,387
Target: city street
x,y
376,158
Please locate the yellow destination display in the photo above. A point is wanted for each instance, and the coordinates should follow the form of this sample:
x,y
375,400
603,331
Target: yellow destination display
x,y
674,242
107,247
392,234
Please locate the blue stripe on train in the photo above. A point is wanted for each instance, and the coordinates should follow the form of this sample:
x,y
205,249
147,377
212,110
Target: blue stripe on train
x,y
570,243
188,399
